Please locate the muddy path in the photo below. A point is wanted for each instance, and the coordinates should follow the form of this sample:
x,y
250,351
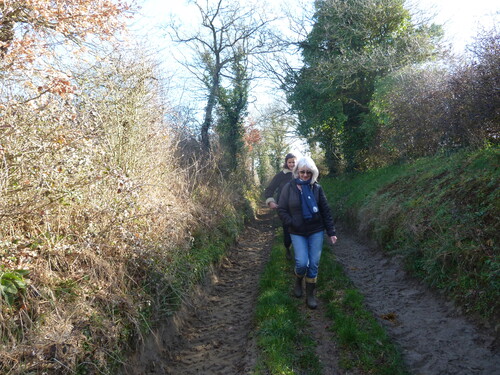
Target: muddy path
x,y
213,334
434,337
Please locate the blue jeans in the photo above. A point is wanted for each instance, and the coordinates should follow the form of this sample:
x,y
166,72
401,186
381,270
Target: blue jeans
x,y
307,250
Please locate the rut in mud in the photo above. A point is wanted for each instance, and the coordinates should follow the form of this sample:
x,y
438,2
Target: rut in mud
x,y
433,336
214,333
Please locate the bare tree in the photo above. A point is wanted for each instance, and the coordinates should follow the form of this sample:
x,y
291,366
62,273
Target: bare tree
x,y
226,29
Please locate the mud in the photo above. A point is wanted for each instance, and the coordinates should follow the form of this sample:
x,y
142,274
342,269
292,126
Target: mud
x,y
434,337
213,334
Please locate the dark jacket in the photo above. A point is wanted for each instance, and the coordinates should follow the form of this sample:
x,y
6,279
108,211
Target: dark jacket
x,y
276,184
290,211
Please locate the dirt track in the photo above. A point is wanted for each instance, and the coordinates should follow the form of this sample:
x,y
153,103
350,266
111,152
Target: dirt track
x,y
434,337
213,335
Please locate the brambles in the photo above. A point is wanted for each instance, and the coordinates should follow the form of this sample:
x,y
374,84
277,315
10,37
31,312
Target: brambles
x,y
12,285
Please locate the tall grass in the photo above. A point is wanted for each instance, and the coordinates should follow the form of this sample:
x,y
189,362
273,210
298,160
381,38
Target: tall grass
x,y
441,214
98,219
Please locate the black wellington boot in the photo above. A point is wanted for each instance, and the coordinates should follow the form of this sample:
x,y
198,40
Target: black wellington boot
x,y
297,290
288,253
310,299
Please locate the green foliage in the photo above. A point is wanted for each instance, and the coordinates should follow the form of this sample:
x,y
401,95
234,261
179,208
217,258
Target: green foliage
x,y
351,45
440,214
277,135
232,105
263,168
12,284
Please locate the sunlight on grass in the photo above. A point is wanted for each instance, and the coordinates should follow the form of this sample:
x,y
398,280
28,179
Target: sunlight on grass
x,y
283,346
440,215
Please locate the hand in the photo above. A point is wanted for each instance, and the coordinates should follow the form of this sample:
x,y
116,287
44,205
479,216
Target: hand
x,y
333,239
273,205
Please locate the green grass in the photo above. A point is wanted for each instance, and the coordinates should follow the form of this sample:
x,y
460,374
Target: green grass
x,y
285,348
441,214
363,342
282,338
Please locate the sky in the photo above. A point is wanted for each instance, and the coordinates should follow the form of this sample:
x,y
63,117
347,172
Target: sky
x,y
461,19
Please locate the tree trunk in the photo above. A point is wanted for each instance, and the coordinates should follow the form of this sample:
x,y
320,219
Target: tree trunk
x,y
207,122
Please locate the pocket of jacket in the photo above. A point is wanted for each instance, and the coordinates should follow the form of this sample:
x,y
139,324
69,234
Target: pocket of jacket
x,y
296,223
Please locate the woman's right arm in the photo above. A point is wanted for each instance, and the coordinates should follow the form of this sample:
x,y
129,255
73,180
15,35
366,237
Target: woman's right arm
x,y
283,212
269,191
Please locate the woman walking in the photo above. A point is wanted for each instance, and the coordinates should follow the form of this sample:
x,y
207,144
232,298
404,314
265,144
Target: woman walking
x,y
275,186
304,210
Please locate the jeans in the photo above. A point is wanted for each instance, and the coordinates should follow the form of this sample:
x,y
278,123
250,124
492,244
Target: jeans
x,y
307,250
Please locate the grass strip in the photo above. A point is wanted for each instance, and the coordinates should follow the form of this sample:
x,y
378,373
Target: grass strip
x,y
284,346
363,342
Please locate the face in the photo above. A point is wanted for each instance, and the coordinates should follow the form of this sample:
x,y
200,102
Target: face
x,y
290,163
305,174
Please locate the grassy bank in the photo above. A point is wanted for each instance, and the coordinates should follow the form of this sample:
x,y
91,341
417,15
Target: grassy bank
x,y
112,317
283,340
169,280
440,214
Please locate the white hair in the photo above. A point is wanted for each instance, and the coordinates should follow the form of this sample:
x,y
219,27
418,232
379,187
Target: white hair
x,y
308,163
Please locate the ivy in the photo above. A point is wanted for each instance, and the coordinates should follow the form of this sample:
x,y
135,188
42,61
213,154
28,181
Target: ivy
x,y
12,284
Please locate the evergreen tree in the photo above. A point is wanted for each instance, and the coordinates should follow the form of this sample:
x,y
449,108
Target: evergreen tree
x,y
232,107
351,45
